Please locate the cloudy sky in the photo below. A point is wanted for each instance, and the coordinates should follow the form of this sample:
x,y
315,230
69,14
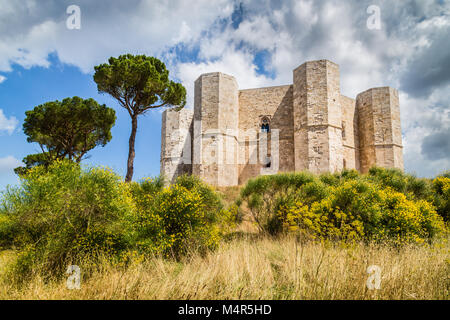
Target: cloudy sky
x,y
260,42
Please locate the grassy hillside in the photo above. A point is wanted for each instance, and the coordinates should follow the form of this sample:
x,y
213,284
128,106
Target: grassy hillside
x,y
285,236
262,268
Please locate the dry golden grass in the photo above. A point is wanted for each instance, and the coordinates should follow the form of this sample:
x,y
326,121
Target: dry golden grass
x,y
228,194
262,268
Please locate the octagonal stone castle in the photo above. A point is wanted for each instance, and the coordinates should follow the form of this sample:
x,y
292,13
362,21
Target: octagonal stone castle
x,y
233,135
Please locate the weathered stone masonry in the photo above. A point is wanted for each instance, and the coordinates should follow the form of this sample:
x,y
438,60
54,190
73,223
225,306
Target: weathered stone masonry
x,y
317,128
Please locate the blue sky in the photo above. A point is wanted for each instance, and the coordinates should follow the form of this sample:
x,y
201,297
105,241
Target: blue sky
x,y
38,85
258,42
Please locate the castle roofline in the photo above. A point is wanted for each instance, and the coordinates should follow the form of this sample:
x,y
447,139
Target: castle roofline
x,y
343,95
216,73
376,88
269,87
175,109
310,61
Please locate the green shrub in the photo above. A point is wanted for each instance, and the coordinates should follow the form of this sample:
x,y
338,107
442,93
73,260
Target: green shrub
x,y
441,187
182,216
411,186
61,213
265,194
145,191
385,204
210,199
434,191
358,210
65,214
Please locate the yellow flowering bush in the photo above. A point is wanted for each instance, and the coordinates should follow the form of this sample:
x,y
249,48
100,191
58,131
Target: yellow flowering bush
x,y
264,196
397,180
350,213
441,186
346,206
64,212
181,216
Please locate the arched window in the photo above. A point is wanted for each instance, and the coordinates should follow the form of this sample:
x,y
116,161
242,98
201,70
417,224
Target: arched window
x,y
265,125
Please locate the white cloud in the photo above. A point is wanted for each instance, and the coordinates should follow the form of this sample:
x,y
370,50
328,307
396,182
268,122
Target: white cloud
x,y
7,164
7,124
295,32
2,78
236,63
145,26
7,175
420,119
299,31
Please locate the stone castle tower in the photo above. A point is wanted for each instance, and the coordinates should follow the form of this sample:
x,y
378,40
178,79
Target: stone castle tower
x,y
233,135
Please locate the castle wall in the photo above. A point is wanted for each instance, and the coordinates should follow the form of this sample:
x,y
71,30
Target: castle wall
x,y
317,117
274,103
379,126
216,114
316,127
350,136
299,105
176,143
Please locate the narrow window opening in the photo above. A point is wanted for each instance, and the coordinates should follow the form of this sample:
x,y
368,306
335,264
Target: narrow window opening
x,y
265,126
268,162
343,130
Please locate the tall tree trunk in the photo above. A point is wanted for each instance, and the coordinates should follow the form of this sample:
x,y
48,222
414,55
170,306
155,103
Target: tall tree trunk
x,y
131,153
